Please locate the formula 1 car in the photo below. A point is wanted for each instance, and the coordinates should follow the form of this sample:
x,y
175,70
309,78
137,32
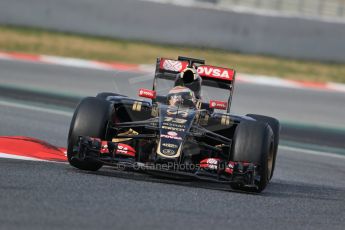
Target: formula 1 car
x,y
177,134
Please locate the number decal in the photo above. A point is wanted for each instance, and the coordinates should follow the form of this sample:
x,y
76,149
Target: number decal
x,y
175,120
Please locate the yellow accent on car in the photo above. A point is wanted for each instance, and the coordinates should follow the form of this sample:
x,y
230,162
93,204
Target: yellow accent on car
x,y
129,132
137,106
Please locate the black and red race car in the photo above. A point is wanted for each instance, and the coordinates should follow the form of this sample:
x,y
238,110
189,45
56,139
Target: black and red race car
x,y
177,133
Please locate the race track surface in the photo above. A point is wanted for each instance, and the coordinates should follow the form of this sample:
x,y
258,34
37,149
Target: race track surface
x,y
307,191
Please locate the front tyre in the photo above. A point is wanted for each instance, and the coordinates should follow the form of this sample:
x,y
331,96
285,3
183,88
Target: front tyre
x,y
275,126
89,119
254,142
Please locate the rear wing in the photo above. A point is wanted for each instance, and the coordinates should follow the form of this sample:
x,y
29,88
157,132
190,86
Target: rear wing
x,y
212,76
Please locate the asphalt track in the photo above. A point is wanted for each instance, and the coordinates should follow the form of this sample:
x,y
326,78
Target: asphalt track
x,y
307,191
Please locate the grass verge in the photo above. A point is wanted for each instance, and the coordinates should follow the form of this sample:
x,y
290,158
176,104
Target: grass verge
x,y
39,41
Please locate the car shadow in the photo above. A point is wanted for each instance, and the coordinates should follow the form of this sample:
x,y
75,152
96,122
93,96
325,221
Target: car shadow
x,y
277,188
138,176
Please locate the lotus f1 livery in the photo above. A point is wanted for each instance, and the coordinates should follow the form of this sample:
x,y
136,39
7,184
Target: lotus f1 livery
x,y
177,133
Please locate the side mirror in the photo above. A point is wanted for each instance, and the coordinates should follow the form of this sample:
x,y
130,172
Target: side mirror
x,y
147,93
218,105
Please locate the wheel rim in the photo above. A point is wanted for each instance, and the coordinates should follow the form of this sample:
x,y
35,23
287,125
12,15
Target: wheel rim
x,y
270,162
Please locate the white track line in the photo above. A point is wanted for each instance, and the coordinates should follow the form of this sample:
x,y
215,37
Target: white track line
x,y
74,62
17,157
35,108
24,158
311,152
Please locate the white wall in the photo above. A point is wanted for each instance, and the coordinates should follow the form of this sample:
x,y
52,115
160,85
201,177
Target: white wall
x,y
133,19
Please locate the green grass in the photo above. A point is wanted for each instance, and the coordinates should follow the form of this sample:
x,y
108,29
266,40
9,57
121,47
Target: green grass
x,y
38,41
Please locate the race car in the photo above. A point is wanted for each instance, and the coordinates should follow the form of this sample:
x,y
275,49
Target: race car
x,y
175,132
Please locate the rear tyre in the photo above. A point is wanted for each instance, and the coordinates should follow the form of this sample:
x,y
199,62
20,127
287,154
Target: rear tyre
x,y
253,142
90,119
275,126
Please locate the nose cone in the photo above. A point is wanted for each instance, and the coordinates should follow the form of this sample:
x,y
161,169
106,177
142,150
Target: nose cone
x,y
174,123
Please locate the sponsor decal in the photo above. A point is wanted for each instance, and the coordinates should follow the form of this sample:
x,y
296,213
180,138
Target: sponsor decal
x,y
172,128
216,72
175,120
171,137
147,93
218,104
169,145
210,163
104,147
123,149
172,133
173,65
168,151
175,125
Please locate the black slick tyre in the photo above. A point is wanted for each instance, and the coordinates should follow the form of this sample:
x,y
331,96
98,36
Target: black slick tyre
x,y
89,119
253,142
275,126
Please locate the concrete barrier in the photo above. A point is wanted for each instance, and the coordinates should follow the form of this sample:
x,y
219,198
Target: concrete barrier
x,y
162,23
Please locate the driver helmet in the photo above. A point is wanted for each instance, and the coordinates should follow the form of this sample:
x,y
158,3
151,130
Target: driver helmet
x,y
181,96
